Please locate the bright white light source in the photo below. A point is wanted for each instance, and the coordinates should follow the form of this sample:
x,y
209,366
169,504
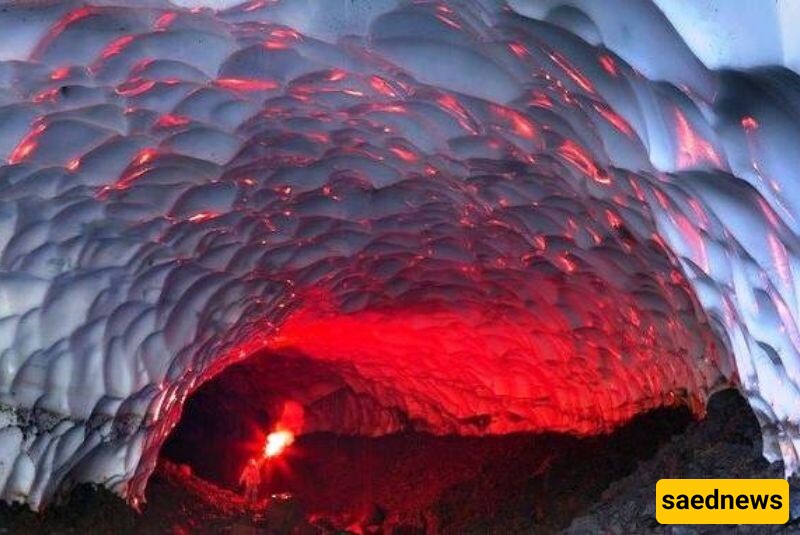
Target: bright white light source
x,y
277,442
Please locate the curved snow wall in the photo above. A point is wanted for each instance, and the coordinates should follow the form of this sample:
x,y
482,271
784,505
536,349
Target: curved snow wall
x,y
472,220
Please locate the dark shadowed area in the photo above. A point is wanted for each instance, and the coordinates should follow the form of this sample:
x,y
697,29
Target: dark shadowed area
x,y
417,483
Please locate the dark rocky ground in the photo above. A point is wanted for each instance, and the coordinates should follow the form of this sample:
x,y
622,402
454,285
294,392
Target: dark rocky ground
x,y
417,483
725,445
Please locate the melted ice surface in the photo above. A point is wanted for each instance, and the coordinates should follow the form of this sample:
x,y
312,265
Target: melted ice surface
x,y
476,218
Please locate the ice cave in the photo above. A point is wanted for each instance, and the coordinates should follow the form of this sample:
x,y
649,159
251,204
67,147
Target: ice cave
x,y
466,219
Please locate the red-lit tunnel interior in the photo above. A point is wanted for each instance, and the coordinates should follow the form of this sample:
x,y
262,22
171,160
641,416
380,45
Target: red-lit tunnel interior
x,y
468,363
410,477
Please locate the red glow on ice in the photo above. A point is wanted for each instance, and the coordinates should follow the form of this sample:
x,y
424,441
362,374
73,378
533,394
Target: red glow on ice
x,y
580,159
286,33
275,44
749,123
60,74
404,154
145,155
62,24
576,76
281,38
132,174
253,6
171,120
769,213
246,84
463,343
540,100
616,121
135,86
780,258
451,104
205,215
449,21
520,124
518,49
72,16
693,150
116,46
335,75
613,219
48,95
608,64
27,145
164,21
699,212
694,239
381,86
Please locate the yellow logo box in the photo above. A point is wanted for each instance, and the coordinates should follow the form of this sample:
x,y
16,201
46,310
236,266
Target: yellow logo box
x,y
722,501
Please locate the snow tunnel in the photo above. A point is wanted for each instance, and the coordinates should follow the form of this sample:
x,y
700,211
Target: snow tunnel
x,y
463,219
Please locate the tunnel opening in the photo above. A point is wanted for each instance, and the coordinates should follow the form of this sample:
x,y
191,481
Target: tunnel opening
x,y
227,420
358,458
449,387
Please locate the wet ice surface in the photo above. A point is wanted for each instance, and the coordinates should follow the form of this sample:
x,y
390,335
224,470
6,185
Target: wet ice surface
x,y
473,220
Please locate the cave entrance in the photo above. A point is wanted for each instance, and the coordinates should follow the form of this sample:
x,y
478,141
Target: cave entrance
x,y
226,421
408,477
